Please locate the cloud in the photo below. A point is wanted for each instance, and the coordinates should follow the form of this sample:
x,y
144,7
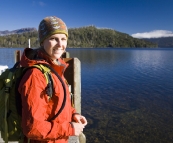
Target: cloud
x,y
42,3
153,34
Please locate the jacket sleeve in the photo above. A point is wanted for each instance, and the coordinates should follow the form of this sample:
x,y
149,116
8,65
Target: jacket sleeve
x,y
35,106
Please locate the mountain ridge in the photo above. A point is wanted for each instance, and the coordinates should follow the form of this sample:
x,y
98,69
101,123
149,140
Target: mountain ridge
x,y
17,31
89,36
164,42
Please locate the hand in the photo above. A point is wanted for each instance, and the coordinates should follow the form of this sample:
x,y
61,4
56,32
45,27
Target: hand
x,y
80,119
78,128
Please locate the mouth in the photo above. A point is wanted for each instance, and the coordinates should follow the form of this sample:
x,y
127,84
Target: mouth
x,y
58,50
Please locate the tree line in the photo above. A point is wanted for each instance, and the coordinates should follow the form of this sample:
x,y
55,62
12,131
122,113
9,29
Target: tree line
x,y
163,42
84,37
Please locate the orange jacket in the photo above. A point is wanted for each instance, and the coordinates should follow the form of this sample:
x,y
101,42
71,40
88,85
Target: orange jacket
x,y
36,109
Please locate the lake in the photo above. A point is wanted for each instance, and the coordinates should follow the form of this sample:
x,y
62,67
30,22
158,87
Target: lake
x,y
127,94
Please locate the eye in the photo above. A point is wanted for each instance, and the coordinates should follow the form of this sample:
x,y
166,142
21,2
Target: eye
x,y
52,38
64,38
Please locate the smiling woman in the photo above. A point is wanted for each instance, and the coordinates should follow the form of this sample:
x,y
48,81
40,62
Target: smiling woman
x,y
55,46
53,35
39,123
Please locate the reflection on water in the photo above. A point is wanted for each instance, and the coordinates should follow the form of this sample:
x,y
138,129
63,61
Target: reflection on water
x,y
7,56
127,94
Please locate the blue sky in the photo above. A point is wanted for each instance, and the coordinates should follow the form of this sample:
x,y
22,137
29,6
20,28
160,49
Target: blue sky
x,y
139,18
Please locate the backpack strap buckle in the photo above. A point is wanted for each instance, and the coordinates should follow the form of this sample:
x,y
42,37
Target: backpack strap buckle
x,y
7,89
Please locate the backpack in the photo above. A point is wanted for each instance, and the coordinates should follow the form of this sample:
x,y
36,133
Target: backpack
x,y
10,99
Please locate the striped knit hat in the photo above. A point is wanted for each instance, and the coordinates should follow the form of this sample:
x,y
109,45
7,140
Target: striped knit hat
x,y
50,26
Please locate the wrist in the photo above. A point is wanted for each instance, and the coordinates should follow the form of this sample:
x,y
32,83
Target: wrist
x,y
74,115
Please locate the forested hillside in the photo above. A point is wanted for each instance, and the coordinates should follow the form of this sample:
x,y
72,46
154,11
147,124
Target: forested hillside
x,y
164,42
80,37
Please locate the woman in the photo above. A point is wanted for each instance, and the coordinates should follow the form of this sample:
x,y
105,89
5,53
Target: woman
x,y
37,108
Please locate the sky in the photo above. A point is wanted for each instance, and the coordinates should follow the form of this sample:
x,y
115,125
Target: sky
x,y
138,18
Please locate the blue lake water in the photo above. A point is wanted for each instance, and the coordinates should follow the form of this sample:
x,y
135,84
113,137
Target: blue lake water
x,y
127,94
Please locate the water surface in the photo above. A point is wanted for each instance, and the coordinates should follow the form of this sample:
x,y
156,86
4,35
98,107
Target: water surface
x,y
127,94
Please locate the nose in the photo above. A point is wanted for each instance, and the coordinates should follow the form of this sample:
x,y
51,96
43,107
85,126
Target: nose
x,y
59,42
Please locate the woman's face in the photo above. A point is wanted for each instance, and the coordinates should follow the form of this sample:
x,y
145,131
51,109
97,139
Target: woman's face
x,y
55,45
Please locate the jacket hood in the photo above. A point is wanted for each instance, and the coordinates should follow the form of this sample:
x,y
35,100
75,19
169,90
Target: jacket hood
x,y
31,57
27,58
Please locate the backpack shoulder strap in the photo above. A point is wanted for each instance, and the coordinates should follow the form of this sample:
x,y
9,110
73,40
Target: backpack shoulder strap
x,y
8,84
49,80
46,70
64,88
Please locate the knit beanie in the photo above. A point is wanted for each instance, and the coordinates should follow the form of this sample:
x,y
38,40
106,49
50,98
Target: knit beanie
x,y
50,26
